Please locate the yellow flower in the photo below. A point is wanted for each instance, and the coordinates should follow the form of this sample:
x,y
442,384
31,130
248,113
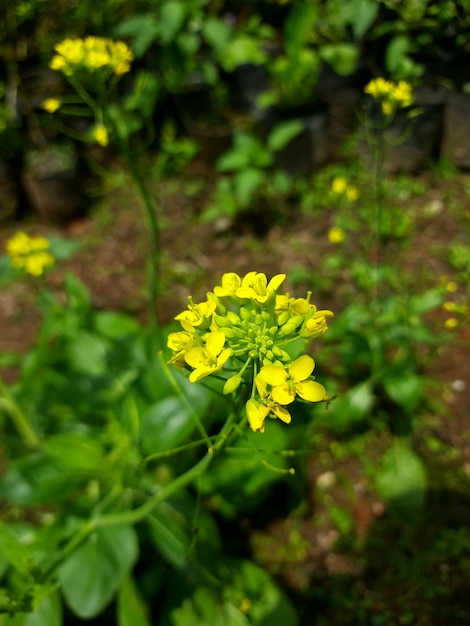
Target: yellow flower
x,y
451,286
253,286
452,322
298,306
100,135
295,380
339,185
198,315
51,105
378,87
210,359
29,253
336,235
180,342
402,93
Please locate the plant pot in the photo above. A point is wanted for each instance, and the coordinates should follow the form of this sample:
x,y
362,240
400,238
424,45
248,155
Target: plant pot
x,y
54,184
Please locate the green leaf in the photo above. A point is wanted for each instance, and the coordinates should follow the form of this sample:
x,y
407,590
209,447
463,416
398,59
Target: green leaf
x,y
246,183
402,480
87,353
13,550
283,133
169,531
47,613
342,57
130,607
169,422
76,452
204,608
350,409
144,29
216,32
298,28
171,19
115,325
406,389
242,49
62,248
363,15
92,574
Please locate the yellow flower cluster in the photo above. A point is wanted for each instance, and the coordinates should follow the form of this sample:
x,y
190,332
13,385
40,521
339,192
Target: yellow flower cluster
x,y
91,54
340,187
30,254
391,96
242,333
51,105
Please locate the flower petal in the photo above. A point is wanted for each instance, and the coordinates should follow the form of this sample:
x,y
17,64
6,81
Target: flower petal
x,y
223,357
301,368
282,413
199,373
311,391
215,342
273,374
276,282
256,414
195,357
283,394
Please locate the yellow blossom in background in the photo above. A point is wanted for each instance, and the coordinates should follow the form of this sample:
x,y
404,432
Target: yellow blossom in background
x,y
91,54
339,185
100,135
389,95
336,235
241,334
29,254
452,322
451,286
51,105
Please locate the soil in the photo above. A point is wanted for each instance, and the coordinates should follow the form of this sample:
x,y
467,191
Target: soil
x,y
193,258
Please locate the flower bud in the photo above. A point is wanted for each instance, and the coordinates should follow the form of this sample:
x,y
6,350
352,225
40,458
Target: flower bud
x,y
232,383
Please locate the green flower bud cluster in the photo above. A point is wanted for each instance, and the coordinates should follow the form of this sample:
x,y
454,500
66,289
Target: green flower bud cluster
x,y
241,334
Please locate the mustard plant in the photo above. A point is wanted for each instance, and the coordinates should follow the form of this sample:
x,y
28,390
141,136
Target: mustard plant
x,y
243,333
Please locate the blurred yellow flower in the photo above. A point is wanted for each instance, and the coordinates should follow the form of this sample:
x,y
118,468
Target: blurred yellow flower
x,y
339,185
336,235
100,135
51,105
452,322
29,254
91,54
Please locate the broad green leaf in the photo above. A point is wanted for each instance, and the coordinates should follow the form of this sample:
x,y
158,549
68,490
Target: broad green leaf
x,y
283,133
216,32
402,480
363,16
144,29
169,422
77,452
246,183
242,49
63,249
87,353
298,27
130,607
169,531
342,57
13,550
115,325
350,409
172,16
204,608
405,389
92,574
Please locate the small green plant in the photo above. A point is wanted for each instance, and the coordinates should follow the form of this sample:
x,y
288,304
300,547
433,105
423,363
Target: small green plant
x,y
252,181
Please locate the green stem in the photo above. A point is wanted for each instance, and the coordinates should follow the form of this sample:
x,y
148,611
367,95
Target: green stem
x,y
152,223
138,514
21,424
